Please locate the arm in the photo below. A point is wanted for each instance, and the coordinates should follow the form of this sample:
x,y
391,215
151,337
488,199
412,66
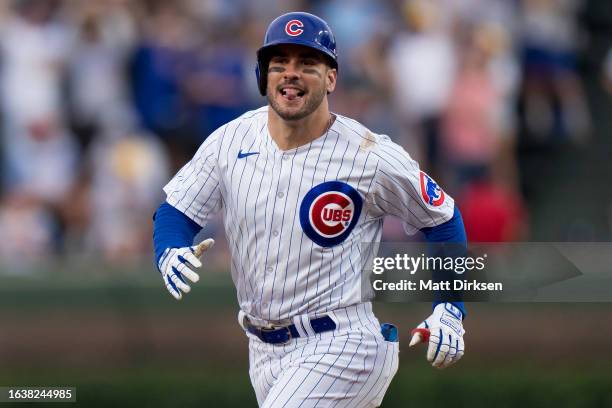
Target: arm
x,y
175,257
193,195
452,231
403,190
443,329
172,229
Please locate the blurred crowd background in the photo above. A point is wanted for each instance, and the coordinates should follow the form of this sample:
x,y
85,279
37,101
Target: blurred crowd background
x,y
505,102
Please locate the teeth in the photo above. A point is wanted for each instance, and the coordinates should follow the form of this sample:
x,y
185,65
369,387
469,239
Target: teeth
x,y
292,92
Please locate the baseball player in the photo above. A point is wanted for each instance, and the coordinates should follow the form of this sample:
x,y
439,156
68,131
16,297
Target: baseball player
x,y
303,192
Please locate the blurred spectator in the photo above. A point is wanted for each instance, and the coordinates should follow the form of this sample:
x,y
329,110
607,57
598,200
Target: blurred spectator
x,y
553,102
97,84
35,48
40,160
492,213
214,81
422,63
39,153
168,40
128,173
27,232
472,128
355,24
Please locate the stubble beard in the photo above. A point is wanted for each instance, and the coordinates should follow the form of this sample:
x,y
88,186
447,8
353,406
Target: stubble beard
x,y
312,102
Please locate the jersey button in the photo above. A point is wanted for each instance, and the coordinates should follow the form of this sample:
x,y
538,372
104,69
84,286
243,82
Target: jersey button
x,y
275,233
280,194
269,269
285,157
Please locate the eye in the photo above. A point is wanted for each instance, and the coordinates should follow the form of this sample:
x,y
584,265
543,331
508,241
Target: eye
x,y
278,60
310,61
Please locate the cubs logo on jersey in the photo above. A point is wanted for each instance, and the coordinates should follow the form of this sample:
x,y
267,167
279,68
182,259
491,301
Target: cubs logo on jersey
x,y
329,212
430,191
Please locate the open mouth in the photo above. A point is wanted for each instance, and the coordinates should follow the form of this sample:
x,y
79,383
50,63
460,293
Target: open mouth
x,y
292,93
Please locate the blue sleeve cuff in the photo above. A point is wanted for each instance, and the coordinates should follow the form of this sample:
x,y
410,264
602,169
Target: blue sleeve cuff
x,y
172,229
452,231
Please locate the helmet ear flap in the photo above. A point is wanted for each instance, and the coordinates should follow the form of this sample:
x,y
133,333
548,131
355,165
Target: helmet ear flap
x,y
262,79
261,71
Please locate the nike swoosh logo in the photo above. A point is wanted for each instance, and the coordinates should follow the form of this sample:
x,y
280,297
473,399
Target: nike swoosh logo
x,y
247,154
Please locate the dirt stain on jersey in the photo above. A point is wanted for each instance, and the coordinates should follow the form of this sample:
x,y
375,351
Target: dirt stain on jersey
x,y
368,141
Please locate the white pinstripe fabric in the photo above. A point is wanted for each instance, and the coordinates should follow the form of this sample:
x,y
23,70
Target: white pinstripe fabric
x,y
283,275
278,271
351,367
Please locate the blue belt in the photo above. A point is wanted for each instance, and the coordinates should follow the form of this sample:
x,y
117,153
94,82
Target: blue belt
x,y
282,335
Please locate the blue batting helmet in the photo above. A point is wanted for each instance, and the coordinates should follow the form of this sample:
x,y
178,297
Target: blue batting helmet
x,y
295,28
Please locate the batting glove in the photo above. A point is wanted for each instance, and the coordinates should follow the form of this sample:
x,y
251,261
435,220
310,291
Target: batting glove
x,y
443,331
176,264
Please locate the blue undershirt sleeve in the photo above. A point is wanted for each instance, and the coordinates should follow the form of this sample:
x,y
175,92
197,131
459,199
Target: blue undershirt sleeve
x,y
452,232
172,229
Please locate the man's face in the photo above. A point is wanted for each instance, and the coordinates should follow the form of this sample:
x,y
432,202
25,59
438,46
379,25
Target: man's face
x,y
298,81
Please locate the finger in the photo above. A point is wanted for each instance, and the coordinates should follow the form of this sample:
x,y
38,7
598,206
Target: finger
x,y
192,259
203,247
416,339
188,273
454,350
180,283
442,353
419,335
450,357
173,289
178,274
460,350
434,345
165,260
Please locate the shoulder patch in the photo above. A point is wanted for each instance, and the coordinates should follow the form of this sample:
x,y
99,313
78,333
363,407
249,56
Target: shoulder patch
x,y
431,192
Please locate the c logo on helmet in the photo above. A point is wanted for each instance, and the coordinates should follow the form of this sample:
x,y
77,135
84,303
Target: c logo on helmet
x,y
294,28
329,212
430,191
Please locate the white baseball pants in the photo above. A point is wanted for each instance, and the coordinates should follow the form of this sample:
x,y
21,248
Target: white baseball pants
x,y
351,366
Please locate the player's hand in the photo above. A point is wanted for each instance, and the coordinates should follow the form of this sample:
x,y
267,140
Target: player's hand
x,y
176,266
443,332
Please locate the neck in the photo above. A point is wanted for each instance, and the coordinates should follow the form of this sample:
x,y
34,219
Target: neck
x,y
290,134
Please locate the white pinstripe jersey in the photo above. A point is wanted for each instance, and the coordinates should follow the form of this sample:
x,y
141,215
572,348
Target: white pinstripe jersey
x,y
295,220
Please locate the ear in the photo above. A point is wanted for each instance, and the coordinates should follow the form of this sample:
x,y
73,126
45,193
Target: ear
x,y
331,77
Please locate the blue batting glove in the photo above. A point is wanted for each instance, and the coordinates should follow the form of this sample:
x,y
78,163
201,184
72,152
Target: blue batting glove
x,y
175,266
443,331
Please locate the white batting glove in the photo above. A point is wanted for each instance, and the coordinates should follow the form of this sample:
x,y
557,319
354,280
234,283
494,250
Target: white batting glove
x,y
176,264
443,331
